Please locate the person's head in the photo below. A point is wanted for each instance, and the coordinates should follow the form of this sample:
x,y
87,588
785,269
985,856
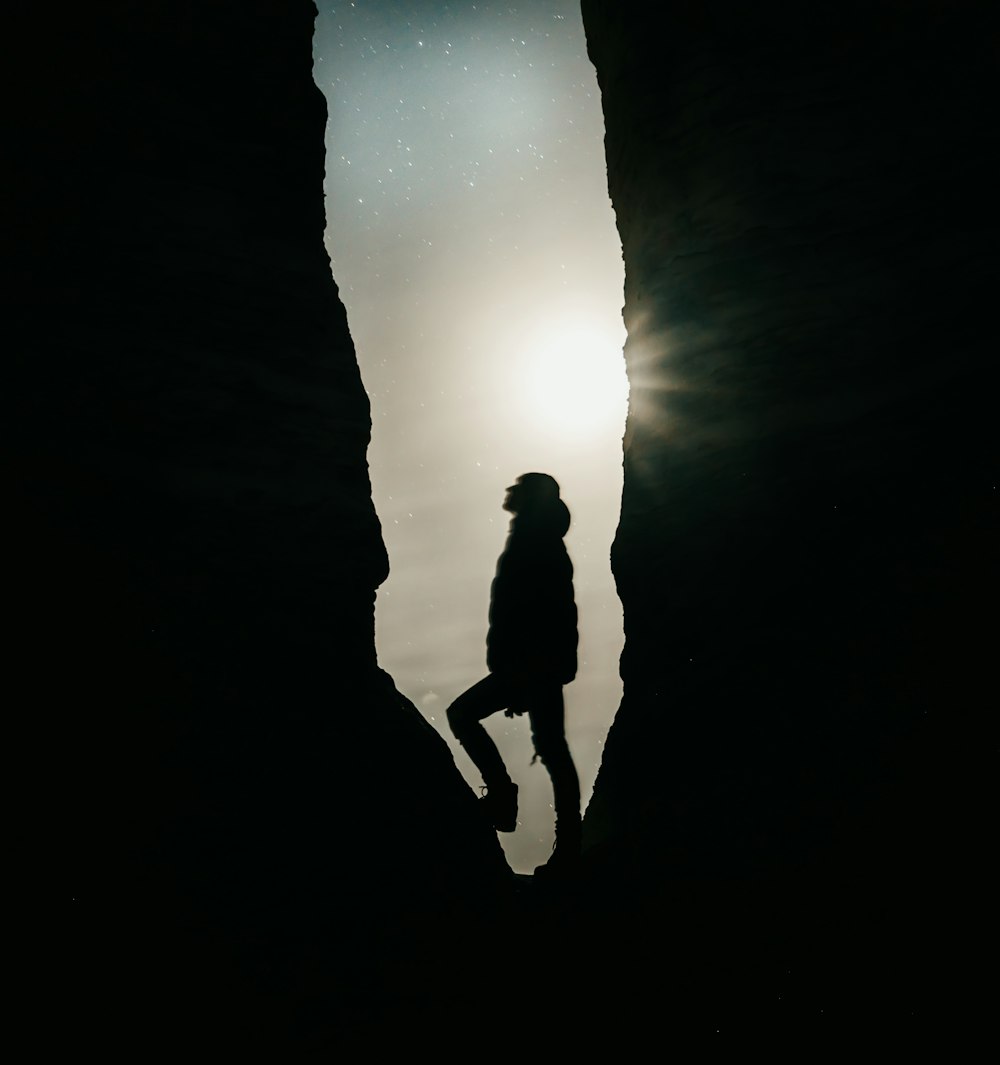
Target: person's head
x,y
534,498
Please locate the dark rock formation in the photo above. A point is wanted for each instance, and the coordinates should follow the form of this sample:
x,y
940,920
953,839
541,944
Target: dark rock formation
x,y
806,555
239,798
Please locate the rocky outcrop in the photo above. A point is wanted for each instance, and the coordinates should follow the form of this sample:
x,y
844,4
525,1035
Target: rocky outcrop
x,y
235,787
804,555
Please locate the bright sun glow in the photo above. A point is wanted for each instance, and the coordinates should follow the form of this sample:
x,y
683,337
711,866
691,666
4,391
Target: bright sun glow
x,y
574,378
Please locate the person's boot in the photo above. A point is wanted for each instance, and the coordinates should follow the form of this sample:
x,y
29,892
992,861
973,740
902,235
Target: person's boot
x,y
565,858
499,803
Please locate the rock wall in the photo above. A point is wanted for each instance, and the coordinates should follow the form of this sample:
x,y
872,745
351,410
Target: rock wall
x,y
235,792
806,211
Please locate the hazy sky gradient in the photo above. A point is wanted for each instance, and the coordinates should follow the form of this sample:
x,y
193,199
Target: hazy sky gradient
x,y
475,248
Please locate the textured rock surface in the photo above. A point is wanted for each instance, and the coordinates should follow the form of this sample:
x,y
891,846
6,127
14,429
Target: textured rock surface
x,y
243,793
806,210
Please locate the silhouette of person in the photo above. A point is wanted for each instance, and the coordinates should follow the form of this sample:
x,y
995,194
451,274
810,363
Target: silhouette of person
x,y
530,654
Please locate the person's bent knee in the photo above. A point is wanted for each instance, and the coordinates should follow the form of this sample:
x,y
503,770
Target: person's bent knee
x,y
462,717
455,717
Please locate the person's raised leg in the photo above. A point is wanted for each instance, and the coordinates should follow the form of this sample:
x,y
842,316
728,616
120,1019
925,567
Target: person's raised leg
x,y
465,716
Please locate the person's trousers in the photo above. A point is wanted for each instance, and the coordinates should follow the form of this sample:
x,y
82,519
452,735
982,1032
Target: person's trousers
x,y
545,708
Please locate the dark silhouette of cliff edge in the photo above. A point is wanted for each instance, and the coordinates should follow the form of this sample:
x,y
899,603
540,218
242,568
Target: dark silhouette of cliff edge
x,y
806,554
242,812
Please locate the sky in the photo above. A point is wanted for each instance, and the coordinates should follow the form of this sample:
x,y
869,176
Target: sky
x,y
474,245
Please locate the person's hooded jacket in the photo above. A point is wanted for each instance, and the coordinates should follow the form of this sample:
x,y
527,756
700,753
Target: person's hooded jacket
x,y
533,618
